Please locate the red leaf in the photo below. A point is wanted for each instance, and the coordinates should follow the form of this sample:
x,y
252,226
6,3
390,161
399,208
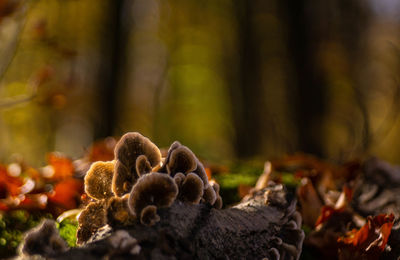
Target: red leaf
x,y
369,241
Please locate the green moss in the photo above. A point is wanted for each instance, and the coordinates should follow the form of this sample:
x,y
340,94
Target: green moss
x,y
67,230
238,174
13,225
289,179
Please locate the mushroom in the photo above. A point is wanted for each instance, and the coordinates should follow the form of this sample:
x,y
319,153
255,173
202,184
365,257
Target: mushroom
x,y
149,216
142,165
191,189
118,213
98,180
156,189
181,161
179,178
128,153
90,220
44,240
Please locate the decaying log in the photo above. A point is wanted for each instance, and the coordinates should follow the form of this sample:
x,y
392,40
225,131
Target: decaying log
x,y
266,225
145,210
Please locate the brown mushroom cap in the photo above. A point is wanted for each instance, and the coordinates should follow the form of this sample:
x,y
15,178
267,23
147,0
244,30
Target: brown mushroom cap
x,y
155,188
192,189
149,216
209,195
91,219
218,202
98,180
142,165
44,240
201,172
182,159
118,212
128,149
172,147
179,178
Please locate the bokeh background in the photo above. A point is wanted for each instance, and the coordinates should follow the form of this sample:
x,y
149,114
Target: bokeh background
x,y
231,79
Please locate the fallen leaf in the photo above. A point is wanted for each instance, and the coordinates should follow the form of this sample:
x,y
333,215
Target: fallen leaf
x,y
67,193
369,241
61,165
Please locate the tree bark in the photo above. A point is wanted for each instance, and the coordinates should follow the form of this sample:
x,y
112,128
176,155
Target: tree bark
x,y
266,225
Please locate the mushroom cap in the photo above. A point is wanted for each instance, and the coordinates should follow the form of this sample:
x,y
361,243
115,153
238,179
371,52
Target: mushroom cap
x,y
98,180
142,165
210,195
91,218
44,240
128,149
201,172
192,189
172,147
182,159
218,202
118,212
179,178
149,216
152,189
122,180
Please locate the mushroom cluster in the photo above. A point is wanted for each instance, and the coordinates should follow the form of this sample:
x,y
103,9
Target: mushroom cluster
x,y
44,240
138,181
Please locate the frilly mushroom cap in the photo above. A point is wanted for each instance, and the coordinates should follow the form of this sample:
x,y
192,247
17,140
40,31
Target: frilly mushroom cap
x,y
156,189
172,147
201,172
142,165
192,189
98,180
215,186
209,195
44,240
179,178
118,213
149,216
182,159
218,202
91,219
128,149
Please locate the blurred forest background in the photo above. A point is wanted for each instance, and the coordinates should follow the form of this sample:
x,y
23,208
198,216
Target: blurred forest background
x,y
231,79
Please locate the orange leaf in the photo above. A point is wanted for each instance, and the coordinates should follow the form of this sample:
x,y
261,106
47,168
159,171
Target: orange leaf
x,y
67,193
62,166
326,213
208,172
9,185
102,150
370,240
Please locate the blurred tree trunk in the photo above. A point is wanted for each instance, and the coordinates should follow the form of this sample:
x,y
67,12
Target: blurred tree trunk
x,y
308,89
111,67
354,34
246,91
